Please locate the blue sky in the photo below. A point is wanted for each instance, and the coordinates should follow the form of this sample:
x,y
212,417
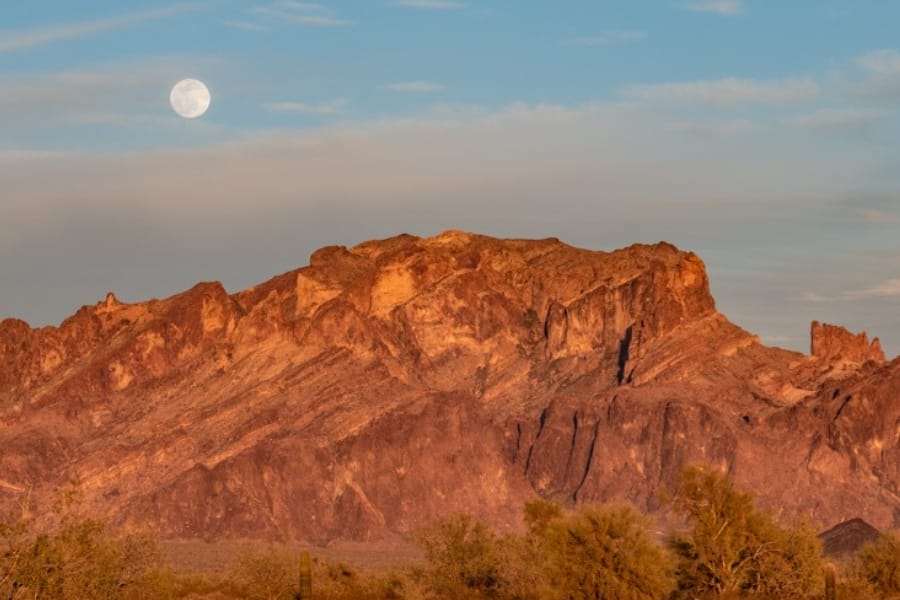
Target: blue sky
x,y
762,135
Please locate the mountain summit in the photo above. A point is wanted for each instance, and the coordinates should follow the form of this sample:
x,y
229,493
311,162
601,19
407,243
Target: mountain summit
x,y
391,383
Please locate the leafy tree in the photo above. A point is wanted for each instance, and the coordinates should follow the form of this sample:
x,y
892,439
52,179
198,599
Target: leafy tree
x,y
79,561
269,575
601,552
596,552
463,559
878,564
731,548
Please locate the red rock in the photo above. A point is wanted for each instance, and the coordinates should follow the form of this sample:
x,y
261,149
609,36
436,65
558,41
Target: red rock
x,y
834,343
400,380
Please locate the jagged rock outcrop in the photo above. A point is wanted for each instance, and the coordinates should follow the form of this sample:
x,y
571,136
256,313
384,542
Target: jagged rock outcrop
x,y
393,382
836,344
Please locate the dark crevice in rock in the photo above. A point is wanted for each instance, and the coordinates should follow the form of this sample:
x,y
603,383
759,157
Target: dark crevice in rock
x,y
842,406
571,445
518,438
588,462
541,422
624,347
528,459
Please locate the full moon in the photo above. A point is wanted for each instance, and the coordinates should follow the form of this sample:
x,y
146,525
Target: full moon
x,y
189,98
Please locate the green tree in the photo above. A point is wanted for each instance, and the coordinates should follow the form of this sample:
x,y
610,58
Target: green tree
x,y
731,548
80,560
463,558
601,552
878,564
268,575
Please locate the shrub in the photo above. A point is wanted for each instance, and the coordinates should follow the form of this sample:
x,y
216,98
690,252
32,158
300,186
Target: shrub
x,y
79,561
463,558
603,552
268,575
732,549
878,564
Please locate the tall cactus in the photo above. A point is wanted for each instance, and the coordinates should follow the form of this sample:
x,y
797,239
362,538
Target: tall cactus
x,y
305,577
830,591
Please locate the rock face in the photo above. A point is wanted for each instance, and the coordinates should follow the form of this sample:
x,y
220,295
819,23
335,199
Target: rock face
x,y
400,380
848,537
834,343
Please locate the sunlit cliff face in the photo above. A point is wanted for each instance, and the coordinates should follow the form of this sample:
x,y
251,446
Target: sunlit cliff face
x,y
389,383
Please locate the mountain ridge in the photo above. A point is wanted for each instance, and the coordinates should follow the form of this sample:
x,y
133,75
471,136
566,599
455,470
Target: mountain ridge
x,y
343,399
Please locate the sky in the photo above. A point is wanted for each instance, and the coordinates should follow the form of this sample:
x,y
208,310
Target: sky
x,y
760,134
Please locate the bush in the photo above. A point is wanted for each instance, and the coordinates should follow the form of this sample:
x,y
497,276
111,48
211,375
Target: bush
x,y
79,561
603,552
596,552
732,549
463,559
878,564
274,575
269,575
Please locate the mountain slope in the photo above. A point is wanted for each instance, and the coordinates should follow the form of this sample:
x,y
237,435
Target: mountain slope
x,y
390,383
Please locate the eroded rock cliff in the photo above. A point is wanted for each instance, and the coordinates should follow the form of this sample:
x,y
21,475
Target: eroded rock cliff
x,y
396,381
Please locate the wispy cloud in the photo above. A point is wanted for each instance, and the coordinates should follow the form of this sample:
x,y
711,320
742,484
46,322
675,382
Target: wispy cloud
x,y
879,217
325,108
415,87
889,288
833,12
814,297
607,38
245,26
719,7
883,70
885,289
300,13
101,94
20,40
837,119
881,62
727,92
714,129
292,5
26,155
430,4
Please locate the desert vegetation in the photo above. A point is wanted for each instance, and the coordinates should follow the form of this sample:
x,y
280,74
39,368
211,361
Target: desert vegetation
x,y
726,549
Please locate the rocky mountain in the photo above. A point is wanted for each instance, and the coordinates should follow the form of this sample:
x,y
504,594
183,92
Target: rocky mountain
x,y
397,381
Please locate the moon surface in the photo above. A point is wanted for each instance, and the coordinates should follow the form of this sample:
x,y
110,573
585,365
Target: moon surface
x,y
190,98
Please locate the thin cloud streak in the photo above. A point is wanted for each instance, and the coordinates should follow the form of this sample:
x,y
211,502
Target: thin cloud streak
x,y
430,4
77,96
730,91
20,40
814,297
415,87
715,129
886,289
291,4
300,13
884,62
300,19
883,70
245,26
326,108
837,118
608,38
879,217
719,7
